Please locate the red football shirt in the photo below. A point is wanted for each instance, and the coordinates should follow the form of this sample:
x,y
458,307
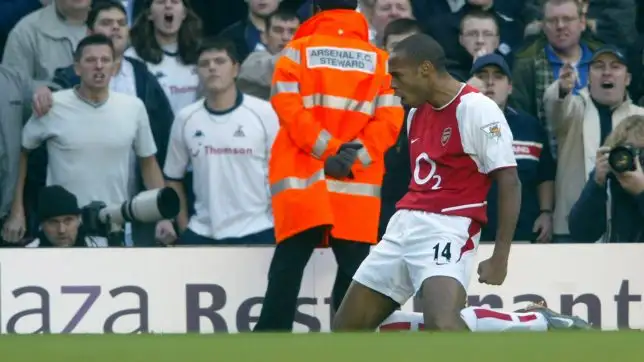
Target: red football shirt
x,y
453,149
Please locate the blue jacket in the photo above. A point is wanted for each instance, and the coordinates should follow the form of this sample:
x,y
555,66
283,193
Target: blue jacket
x,y
588,218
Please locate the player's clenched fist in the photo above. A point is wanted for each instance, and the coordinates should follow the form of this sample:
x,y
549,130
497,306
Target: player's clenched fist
x,y
567,78
492,271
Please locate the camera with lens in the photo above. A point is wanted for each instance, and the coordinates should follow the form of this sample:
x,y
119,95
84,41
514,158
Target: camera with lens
x,y
623,158
148,206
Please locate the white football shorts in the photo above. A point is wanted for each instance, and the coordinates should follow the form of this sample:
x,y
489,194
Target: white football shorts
x,y
418,245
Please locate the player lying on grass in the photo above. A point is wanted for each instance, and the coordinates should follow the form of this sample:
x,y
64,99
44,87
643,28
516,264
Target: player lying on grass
x,y
460,142
536,318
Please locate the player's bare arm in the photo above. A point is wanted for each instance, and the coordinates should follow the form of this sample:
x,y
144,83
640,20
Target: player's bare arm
x,y
494,270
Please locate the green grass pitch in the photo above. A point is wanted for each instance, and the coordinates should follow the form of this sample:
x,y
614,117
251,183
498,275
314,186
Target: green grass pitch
x,y
325,347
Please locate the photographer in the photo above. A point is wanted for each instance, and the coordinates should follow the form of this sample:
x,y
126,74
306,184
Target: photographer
x,y
582,121
61,221
612,202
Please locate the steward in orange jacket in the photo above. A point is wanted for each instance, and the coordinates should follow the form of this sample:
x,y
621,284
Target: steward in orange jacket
x,y
338,116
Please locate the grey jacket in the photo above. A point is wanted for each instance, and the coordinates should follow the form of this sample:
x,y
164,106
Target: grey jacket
x,y
256,74
15,109
40,43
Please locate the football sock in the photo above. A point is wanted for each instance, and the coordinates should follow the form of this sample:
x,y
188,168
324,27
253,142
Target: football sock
x,y
478,319
403,321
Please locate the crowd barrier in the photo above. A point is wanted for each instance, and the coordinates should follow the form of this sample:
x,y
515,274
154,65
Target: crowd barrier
x,y
205,290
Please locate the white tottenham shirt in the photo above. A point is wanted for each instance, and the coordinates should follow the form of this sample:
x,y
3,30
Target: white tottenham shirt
x,y
229,154
89,145
179,81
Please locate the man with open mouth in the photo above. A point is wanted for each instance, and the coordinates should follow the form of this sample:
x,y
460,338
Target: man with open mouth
x,y
581,122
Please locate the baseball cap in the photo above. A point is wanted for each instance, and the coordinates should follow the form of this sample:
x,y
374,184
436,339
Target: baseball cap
x,y
491,59
610,49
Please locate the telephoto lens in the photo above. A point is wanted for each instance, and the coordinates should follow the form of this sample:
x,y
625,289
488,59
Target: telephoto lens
x,y
622,159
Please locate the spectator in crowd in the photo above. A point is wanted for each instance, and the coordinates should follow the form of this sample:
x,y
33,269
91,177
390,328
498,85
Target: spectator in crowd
x,y
91,159
611,206
611,21
61,224
479,35
227,138
535,164
246,33
131,77
582,121
395,181
511,10
337,118
45,40
15,103
11,11
480,29
166,36
384,12
398,30
541,62
256,71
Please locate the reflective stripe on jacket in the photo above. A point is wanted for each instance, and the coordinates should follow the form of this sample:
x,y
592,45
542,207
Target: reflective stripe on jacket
x,y
331,87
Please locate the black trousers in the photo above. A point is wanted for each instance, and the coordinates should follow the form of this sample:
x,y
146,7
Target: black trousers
x,y
287,268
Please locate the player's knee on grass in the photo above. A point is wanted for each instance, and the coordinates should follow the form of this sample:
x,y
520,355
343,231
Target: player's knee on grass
x,y
442,300
362,309
443,321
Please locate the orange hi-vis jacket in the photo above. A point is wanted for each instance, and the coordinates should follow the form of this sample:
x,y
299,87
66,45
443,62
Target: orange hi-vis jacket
x,y
330,87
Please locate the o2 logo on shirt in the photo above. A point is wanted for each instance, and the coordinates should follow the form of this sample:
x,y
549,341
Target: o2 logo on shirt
x,y
431,176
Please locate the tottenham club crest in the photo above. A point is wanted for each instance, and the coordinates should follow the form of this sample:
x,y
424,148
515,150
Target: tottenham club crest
x,y
447,133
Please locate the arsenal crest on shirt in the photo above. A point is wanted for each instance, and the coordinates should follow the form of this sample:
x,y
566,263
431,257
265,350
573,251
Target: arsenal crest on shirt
x,y
447,133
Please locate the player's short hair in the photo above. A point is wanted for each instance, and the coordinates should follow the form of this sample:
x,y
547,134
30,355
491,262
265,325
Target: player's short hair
x,y
478,14
420,47
399,27
90,40
281,14
100,6
219,44
580,6
335,4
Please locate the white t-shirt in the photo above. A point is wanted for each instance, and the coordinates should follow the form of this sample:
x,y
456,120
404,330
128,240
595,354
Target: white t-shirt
x,y
124,82
89,145
229,154
90,241
179,81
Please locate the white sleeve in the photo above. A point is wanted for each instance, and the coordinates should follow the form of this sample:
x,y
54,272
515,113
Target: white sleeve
x,y
485,133
35,132
178,157
144,145
272,124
